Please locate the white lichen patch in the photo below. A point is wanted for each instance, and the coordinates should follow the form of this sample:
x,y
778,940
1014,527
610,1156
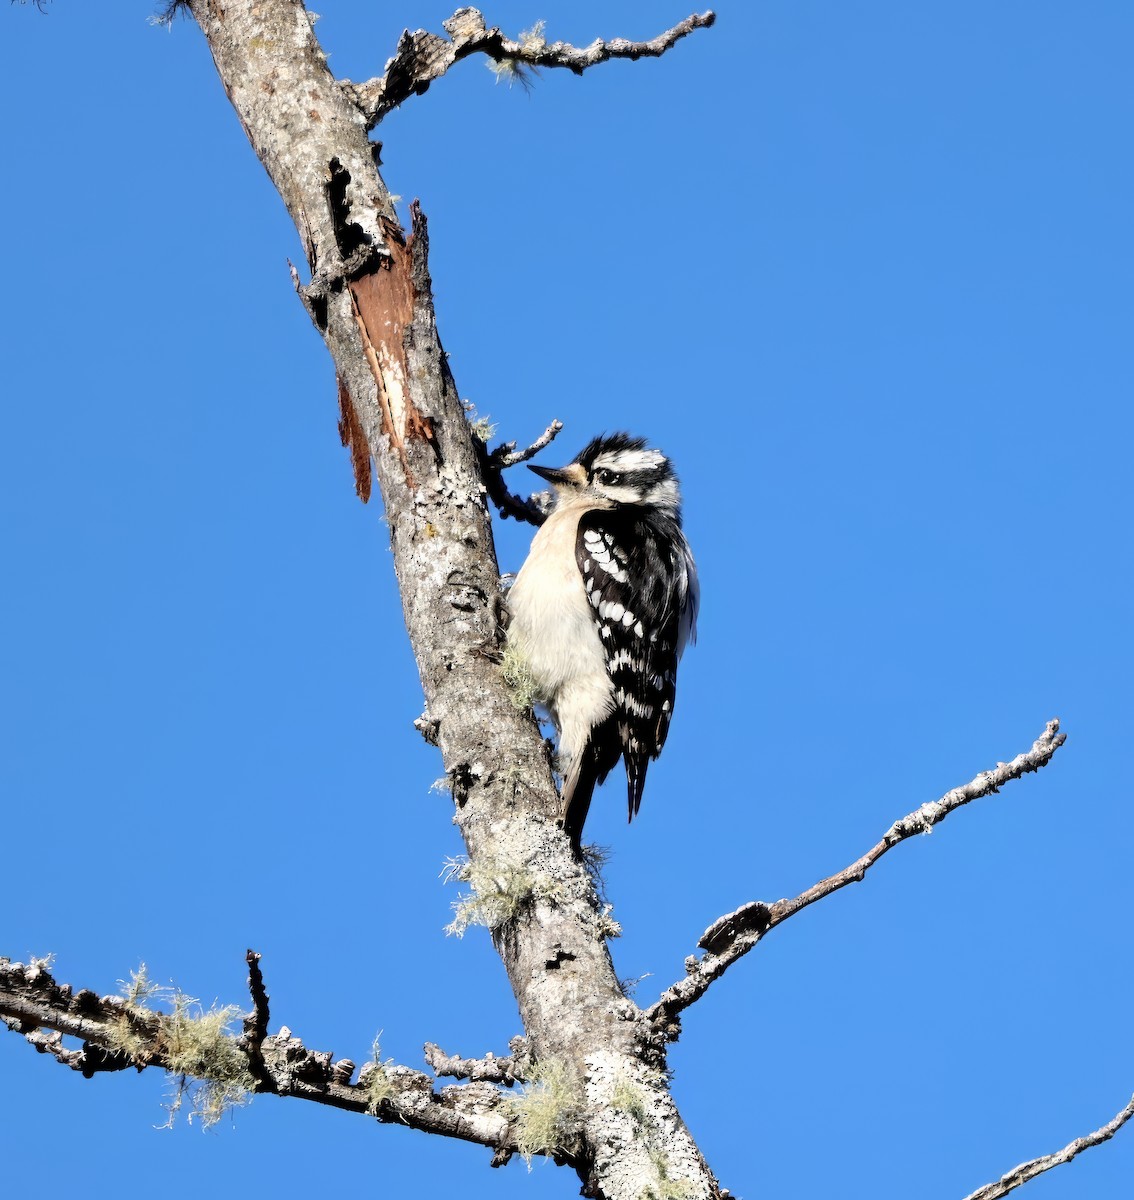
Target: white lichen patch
x,y
629,1098
481,427
665,1188
607,926
517,70
532,40
636,1121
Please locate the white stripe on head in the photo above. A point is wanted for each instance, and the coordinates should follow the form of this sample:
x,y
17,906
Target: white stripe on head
x,y
628,460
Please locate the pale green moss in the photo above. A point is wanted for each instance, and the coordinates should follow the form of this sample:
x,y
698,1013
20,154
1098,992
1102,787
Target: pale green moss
x,y
196,1046
516,70
482,428
139,988
532,40
629,1098
518,676
666,1188
544,1114
375,1078
500,890
199,1046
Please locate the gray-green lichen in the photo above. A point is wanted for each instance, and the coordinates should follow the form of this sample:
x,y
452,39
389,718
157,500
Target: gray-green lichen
x,y
629,1098
500,890
519,679
545,1113
375,1078
665,1188
195,1044
516,70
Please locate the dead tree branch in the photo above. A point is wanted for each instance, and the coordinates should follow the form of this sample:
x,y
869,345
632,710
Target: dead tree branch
x,y
733,935
494,463
256,1022
401,408
117,1034
488,1069
1029,1170
422,57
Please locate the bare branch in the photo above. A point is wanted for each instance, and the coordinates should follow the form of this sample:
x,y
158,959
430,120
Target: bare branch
x,y
89,1060
32,1003
256,1022
1029,1170
535,508
421,57
488,1069
733,935
508,456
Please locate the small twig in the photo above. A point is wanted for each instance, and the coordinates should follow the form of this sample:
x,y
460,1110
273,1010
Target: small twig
x,y
49,1043
507,455
535,508
1029,1170
732,936
256,1022
481,1070
422,57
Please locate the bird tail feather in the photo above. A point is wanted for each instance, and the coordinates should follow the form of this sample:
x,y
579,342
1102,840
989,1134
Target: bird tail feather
x,y
578,788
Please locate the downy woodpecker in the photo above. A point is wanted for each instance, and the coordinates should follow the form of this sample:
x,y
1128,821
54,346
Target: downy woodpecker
x,y
601,611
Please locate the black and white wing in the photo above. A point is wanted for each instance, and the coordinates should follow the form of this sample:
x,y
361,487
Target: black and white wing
x,y
642,586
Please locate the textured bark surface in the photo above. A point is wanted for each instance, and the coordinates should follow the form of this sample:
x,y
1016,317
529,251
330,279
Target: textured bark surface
x,y
370,298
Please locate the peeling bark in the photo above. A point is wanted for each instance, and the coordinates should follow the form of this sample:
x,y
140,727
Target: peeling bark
x,y
370,297
382,301
353,438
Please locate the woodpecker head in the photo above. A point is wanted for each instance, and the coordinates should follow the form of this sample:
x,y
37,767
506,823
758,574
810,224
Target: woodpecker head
x,y
617,470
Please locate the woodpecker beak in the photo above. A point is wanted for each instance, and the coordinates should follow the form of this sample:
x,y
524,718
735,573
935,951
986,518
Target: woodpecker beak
x,y
572,475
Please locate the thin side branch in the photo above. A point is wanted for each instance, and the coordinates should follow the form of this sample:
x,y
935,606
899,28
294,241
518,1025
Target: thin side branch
x,y
256,1022
32,1003
508,456
1029,1170
481,1070
421,57
494,463
733,935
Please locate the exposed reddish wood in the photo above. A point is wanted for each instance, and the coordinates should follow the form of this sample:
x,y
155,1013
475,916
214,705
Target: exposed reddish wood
x,y
383,301
354,439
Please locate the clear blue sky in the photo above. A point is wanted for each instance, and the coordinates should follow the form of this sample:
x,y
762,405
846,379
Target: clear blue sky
x,y
865,270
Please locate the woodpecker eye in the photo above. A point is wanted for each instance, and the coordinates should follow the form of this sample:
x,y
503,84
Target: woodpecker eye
x,y
602,475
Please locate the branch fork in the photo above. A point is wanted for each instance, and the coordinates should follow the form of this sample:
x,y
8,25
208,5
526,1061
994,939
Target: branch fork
x,y
730,937
422,57
44,1012
494,463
